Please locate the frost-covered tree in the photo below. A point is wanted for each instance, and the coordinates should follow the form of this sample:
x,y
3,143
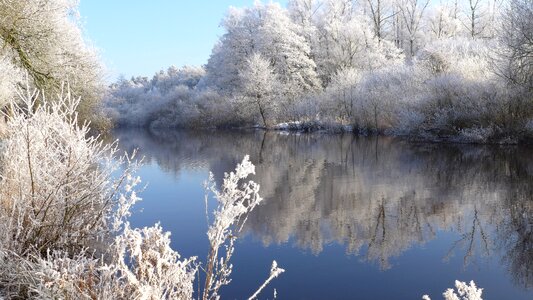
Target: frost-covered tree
x,y
268,30
168,99
442,21
346,40
517,40
412,12
43,38
9,76
473,13
288,51
188,76
345,37
259,86
481,17
303,13
382,13
342,92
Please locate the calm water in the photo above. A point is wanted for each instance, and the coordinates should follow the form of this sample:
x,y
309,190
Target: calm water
x,y
351,217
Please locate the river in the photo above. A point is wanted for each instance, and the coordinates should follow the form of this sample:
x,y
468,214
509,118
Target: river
x,y
350,217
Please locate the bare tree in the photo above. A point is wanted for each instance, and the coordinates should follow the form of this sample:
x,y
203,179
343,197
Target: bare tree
x,y
397,27
474,13
412,12
517,38
380,12
443,20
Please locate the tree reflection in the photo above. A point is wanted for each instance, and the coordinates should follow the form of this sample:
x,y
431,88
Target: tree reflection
x,y
377,196
473,235
515,237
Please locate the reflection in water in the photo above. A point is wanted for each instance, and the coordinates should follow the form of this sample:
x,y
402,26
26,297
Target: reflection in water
x,y
376,196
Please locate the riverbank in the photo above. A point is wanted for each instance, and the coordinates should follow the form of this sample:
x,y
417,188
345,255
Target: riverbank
x,y
488,136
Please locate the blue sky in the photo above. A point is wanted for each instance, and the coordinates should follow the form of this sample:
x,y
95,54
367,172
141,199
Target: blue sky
x,y
141,37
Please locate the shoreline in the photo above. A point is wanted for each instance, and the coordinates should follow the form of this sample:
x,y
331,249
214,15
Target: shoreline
x,y
425,137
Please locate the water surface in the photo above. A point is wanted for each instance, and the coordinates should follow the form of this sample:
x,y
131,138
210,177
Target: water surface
x,y
351,217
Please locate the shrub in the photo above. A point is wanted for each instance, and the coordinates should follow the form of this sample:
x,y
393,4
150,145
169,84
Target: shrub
x,y
64,231
57,190
465,291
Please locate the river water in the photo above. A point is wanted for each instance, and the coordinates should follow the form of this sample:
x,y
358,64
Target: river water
x,y
350,217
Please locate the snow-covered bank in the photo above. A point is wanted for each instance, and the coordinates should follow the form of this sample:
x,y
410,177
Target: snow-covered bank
x,y
462,136
312,126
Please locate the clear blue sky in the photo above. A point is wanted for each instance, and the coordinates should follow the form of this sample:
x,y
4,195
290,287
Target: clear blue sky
x,y
140,37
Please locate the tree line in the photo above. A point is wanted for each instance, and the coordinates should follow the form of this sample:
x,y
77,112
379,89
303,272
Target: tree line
x,y
456,70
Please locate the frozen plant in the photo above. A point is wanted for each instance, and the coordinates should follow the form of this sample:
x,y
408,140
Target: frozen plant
x,y
140,265
65,197
149,268
259,84
44,39
57,186
275,271
464,292
235,201
476,134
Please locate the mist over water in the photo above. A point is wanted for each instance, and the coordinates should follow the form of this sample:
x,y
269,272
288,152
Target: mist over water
x,y
351,217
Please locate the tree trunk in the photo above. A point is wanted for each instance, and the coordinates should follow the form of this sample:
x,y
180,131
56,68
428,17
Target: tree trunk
x,y
261,110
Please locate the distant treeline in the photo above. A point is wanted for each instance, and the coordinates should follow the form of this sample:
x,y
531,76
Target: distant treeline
x,y
457,71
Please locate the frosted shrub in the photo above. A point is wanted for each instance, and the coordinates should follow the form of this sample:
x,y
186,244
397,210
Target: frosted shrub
x,y
8,78
341,95
529,126
458,108
52,276
476,134
214,109
408,119
148,268
56,188
464,292
175,109
467,57
452,103
166,100
141,266
60,199
64,202
434,62
235,201
382,92
140,263
467,292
